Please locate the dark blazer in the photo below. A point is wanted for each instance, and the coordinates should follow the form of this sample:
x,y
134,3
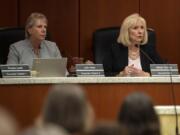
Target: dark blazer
x,y
117,58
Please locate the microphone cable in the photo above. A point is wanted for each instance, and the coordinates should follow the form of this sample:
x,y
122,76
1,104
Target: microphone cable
x,y
145,54
174,101
172,90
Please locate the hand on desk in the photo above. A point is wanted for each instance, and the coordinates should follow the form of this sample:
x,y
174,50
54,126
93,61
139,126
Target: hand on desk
x,y
78,60
133,71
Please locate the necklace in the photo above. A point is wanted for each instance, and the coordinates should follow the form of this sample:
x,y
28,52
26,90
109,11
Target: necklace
x,y
37,52
133,54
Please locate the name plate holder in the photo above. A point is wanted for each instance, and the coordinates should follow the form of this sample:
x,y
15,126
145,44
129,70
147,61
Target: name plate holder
x,y
89,70
164,70
15,71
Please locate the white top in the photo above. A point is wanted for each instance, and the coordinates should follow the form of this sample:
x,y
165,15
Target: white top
x,y
136,63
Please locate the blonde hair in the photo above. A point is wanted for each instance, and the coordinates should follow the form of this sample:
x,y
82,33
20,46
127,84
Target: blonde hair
x,y
31,20
128,22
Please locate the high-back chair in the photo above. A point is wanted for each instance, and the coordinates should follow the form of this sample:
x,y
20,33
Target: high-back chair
x,y
7,37
103,39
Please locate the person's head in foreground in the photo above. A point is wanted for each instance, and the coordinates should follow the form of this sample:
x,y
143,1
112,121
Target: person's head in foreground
x,y
67,106
137,113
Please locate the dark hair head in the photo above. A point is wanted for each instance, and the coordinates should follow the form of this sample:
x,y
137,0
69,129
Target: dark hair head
x,y
66,106
138,114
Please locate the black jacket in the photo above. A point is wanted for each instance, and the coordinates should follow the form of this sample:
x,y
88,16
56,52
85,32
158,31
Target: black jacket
x,y
117,58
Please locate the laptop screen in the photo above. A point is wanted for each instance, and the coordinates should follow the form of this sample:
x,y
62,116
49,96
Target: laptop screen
x,y
53,67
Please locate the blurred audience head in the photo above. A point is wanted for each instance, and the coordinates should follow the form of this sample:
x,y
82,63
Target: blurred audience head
x,y
131,22
67,106
137,113
8,125
32,20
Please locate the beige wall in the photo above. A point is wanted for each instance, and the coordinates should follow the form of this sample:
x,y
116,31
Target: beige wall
x,y
168,119
168,124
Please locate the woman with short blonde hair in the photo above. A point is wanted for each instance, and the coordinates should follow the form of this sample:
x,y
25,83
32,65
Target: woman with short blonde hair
x,y
131,55
31,20
35,44
129,22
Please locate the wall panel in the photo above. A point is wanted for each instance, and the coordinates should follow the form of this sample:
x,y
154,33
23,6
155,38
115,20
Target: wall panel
x,y
63,21
72,22
101,13
164,17
8,13
26,101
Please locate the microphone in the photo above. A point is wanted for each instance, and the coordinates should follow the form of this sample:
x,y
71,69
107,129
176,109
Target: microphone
x,y
145,54
172,88
174,102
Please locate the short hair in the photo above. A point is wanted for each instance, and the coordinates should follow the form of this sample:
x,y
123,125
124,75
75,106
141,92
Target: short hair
x,y
137,113
129,22
67,106
31,20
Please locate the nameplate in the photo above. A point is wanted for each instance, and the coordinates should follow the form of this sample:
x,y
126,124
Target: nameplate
x,y
164,70
15,71
89,70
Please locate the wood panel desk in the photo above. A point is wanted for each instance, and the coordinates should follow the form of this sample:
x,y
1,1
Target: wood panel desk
x,y
24,97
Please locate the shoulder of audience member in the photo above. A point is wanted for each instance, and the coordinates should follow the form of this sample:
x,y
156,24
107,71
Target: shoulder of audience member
x,y
108,128
49,129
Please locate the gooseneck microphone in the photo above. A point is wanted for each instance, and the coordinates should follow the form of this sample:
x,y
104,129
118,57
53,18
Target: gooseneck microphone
x,y
145,54
174,102
172,88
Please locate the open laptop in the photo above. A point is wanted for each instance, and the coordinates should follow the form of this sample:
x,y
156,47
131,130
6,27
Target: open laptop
x,y
49,67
